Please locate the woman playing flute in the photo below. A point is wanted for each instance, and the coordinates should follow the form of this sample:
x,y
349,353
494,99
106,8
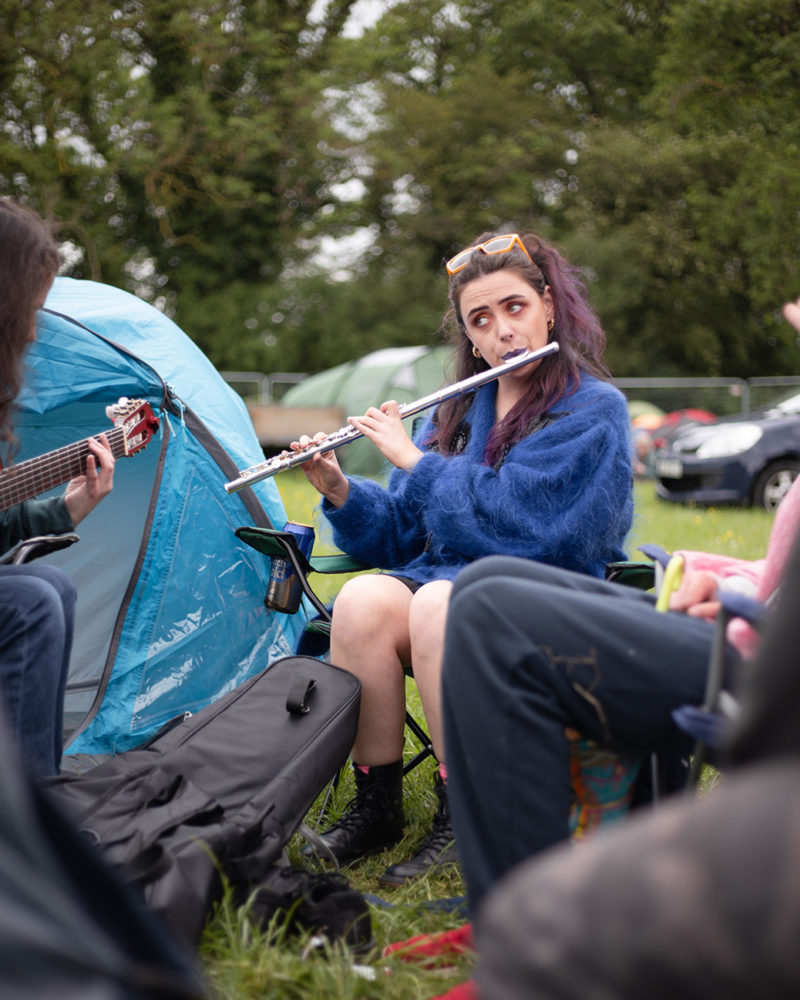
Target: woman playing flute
x,y
535,464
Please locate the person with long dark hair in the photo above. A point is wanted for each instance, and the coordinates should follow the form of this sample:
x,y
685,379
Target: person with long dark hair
x,y
536,464
36,602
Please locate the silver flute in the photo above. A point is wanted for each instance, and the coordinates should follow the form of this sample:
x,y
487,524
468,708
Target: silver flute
x,y
279,463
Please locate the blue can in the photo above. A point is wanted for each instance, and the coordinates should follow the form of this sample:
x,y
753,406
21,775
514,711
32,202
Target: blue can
x,y
285,589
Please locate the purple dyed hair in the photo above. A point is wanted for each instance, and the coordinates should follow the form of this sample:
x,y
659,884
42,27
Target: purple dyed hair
x,y
577,329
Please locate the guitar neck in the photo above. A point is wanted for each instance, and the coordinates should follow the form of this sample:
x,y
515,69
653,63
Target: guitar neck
x,y
37,475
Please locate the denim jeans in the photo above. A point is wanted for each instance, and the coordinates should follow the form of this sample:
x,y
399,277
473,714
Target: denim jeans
x,y
37,605
530,650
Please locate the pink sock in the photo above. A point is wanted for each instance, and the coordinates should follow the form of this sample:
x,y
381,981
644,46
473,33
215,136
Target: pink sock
x,y
363,768
443,773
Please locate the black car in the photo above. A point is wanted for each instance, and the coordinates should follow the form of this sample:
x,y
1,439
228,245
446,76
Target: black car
x,y
747,460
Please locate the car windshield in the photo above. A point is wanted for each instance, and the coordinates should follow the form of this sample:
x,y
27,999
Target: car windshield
x,y
788,404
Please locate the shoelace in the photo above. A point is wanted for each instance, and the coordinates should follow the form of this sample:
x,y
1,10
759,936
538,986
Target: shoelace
x,y
358,811
441,834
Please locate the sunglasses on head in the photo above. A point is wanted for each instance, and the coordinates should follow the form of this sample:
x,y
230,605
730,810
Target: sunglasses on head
x,y
497,244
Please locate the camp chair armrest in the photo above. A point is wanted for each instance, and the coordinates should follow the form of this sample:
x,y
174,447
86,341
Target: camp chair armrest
x,y
39,545
337,562
272,542
631,573
740,606
656,553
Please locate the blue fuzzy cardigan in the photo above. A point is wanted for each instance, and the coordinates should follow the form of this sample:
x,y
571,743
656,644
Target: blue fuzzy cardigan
x,y
563,495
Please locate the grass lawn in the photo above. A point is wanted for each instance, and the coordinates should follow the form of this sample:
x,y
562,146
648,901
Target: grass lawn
x,y
239,962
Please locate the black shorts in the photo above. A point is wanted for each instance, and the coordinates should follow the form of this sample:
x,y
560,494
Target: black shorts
x,y
413,585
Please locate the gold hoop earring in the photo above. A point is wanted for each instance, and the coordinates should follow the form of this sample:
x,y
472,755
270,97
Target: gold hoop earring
x,y
475,352
550,324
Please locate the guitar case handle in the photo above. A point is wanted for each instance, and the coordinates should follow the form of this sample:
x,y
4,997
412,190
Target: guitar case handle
x,y
299,693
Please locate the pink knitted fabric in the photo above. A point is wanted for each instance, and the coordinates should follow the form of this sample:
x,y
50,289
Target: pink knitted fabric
x,y
758,578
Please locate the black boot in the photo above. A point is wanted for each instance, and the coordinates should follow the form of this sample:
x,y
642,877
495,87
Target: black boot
x,y
436,850
373,820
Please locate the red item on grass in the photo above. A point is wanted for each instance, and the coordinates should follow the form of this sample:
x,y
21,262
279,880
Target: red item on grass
x,y
464,991
425,948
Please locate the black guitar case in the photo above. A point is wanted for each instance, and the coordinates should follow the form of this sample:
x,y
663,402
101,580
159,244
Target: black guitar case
x,y
221,792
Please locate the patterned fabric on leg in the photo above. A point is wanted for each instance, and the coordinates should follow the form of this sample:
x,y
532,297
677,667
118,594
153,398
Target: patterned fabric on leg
x,y
603,782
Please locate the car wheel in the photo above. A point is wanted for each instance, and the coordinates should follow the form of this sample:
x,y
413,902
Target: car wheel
x,y
774,482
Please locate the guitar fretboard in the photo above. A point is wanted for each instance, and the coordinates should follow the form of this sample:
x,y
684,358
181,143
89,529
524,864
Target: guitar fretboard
x,y
37,475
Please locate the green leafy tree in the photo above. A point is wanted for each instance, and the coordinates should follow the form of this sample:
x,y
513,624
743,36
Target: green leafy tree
x,y
208,156
176,144
698,203
318,322
656,141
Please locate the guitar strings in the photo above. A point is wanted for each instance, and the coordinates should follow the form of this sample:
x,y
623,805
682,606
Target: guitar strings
x,y
36,475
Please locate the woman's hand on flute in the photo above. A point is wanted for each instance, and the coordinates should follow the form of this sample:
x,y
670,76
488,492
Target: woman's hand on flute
x,y
384,427
323,470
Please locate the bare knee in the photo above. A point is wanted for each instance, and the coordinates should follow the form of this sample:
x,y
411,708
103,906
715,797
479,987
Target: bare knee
x,y
370,622
427,615
367,602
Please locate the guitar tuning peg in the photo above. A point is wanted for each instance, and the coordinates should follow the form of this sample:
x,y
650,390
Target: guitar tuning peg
x,y
117,409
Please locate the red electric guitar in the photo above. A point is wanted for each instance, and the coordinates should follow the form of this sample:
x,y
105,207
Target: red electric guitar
x,y
134,424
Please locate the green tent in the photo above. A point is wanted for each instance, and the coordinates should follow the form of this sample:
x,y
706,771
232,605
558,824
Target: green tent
x,y
401,373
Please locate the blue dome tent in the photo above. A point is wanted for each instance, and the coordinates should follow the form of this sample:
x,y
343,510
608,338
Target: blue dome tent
x,y
170,608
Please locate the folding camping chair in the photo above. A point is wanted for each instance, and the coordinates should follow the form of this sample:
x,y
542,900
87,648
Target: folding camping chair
x,y
603,780
39,545
708,722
